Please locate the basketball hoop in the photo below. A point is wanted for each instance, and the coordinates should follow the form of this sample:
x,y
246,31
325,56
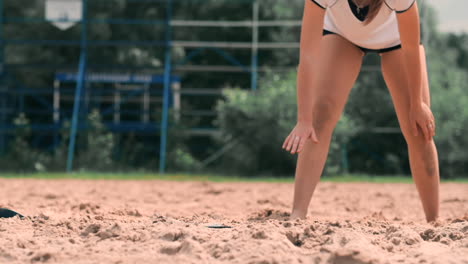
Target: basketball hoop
x,y
64,13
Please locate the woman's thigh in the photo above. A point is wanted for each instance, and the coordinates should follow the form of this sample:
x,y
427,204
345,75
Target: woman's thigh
x,y
336,71
396,80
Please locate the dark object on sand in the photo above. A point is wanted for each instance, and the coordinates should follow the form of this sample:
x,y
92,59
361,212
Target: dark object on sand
x,y
7,213
218,226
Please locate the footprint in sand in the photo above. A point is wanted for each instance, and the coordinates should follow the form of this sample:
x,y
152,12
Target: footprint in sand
x,y
263,201
259,235
173,236
346,256
113,231
87,207
295,238
400,236
441,236
41,257
184,247
158,218
454,200
266,214
91,229
6,256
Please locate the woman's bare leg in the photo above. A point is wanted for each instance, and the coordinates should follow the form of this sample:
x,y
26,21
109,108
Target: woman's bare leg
x,y
338,67
422,153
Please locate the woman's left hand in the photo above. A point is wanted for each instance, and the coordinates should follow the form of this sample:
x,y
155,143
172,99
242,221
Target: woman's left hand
x,y
421,115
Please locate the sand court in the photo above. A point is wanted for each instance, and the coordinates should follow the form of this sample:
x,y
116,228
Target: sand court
x,y
111,221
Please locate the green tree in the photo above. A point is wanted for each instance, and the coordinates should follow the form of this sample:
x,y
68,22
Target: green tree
x,y
259,122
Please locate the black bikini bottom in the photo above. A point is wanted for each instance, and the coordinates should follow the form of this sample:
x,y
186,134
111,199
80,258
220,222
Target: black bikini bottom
x,y
365,50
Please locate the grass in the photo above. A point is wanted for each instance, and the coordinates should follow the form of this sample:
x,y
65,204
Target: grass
x,y
213,178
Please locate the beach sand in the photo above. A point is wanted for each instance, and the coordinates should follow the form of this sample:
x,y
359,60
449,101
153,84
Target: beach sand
x,y
109,221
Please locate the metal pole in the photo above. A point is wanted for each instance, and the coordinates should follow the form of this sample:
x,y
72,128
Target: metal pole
x,y
116,105
167,86
344,158
254,73
1,40
146,104
177,104
56,114
2,70
79,88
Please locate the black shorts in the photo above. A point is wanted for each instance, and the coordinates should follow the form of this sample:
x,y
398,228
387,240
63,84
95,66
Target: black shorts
x,y
365,50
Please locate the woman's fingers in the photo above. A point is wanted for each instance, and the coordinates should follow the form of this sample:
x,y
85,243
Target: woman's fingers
x,y
290,143
426,131
286,141
432,128
296,141
433,125
414,127
303,141
301,144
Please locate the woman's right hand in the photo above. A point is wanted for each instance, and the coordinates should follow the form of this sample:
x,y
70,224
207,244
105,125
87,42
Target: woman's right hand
x,y
296,140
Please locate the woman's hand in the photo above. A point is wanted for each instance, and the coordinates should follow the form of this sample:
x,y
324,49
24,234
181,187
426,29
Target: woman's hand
x,y
295,142
421,115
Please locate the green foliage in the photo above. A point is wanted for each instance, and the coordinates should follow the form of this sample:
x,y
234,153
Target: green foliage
x,y
99,146
260,121
181,177
97,155
449,86
22,157
95,150
179,157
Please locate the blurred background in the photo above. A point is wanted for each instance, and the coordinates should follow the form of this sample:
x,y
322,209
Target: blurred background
x,y
200,86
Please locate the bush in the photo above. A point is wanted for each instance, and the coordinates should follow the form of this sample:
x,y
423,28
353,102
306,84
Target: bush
x,y
449,86
260,121
179,157
99,146
22,157
96,149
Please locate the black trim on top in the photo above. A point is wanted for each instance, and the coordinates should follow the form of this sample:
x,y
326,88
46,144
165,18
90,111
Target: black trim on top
x,y
402,11
388,5
327,32
380,51
366,50
315,2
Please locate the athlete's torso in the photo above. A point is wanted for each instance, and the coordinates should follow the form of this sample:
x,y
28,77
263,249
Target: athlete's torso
x,y
381,33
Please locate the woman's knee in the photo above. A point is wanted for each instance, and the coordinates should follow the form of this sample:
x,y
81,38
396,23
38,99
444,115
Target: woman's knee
x,y
425,151
418,141
410,138
327,112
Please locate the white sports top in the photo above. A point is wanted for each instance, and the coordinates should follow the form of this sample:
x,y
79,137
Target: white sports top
x,y
381,33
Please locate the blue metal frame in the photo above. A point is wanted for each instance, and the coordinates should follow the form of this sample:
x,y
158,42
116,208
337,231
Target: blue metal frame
x,y
116,78
167,83
79,88
81,82
2,70
254,73
2,19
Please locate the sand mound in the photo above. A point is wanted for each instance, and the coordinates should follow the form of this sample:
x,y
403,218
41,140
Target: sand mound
x,y
169,222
